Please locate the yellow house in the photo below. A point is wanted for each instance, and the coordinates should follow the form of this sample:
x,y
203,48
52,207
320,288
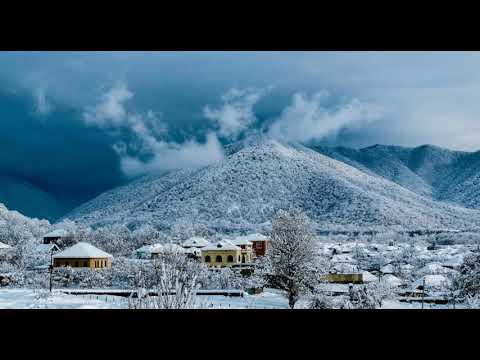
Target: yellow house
x,y
221,254
83,255
246,248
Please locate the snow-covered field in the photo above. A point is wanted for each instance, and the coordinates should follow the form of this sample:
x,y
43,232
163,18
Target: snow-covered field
x,y
270,299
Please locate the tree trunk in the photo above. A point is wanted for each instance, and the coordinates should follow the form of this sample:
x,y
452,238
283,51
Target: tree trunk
x,y
291,300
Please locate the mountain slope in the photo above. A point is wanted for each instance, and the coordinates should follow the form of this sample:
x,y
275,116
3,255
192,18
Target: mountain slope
x,y
427,170
246,189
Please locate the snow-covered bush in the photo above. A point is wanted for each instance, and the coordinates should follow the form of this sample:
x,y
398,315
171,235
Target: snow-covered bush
x,y
366,296
472,301
320,302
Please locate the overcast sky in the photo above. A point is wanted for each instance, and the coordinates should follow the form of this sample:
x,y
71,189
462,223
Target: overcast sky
x,y
78,123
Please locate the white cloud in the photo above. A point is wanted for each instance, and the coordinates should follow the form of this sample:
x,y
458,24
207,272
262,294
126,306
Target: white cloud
x,y
169,155
307,118
110,111
147,129
236,113
42,105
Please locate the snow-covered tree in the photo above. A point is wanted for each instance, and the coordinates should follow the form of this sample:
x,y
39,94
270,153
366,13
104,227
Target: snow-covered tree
x,y
291,257
176,285
468,280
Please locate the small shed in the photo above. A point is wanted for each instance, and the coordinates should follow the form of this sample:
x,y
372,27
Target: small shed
x,y
4,247
83,255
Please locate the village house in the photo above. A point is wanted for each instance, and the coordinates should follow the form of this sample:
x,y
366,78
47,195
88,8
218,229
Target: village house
x,y
58,237
83,255
260,243
246,249
221,254
148,251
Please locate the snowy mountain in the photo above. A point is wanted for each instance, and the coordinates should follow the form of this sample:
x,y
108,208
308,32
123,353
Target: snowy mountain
x,y
427,170
347,188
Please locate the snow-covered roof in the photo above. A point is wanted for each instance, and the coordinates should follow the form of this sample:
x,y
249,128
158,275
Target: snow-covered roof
x,y
155,248
434,269
4,246
196,241
344,268
174,248
221,245
342,258
82,250
368,277
432,281
254,237
387,269
56,233
241,240
391,280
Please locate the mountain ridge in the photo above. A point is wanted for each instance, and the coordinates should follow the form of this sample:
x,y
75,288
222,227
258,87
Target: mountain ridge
x,y
246,189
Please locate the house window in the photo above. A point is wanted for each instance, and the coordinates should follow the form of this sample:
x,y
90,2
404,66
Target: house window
x,y
207,259
238,258
230,258
243,258
219,259
76,263
85,264
66,263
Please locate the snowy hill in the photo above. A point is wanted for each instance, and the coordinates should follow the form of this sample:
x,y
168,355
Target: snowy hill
x,y
244,191
27,198
15,226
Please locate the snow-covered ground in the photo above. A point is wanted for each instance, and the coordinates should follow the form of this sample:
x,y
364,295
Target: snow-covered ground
x,y
41,299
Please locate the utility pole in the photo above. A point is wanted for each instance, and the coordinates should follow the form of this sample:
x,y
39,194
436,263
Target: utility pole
x,y
51,267
423,292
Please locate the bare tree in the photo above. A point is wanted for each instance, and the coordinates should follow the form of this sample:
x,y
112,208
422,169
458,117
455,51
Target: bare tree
x,y
291,265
